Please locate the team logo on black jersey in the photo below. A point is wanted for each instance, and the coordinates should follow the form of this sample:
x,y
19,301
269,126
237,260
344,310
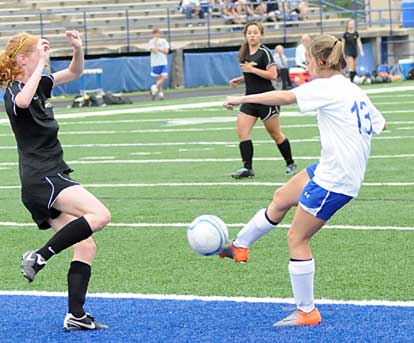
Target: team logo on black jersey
x,y
48,104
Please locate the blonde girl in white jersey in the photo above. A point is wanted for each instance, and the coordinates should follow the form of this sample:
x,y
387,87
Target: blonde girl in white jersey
x,y
346,119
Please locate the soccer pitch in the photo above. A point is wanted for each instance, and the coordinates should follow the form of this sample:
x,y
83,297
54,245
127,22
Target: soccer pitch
x,y
158,165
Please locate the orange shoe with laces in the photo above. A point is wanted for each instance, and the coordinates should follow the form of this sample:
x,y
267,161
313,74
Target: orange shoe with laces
x,y
298,318
240,255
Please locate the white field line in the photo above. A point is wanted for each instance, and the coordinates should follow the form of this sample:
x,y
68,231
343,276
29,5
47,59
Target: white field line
x,y
97,158
198,129
110,132
211,298
233,143
163,121
204,160
164,108
187,121
212,184
389,90
145,153
238,225
222,119
389,103
139,110
391,96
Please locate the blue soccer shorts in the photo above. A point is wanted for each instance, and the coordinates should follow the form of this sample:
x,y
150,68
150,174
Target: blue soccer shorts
x,y
318,201
159,70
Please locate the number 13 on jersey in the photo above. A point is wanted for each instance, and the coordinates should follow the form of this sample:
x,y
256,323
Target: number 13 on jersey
x,y
363,117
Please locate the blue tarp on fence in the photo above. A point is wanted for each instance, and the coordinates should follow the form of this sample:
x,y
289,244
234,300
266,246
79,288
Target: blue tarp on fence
x,y
208,69
120,74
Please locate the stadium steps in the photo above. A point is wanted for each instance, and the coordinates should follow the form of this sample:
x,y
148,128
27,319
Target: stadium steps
x,y
73,5
108,32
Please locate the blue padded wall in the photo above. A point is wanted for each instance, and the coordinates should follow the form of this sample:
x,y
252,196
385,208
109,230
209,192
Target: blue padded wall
x,y
120,74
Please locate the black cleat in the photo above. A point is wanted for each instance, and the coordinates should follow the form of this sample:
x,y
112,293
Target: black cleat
x,y
32,262
291,169
243,172
87,322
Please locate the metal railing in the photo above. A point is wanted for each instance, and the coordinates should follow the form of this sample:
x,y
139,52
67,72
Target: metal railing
x,y
129,29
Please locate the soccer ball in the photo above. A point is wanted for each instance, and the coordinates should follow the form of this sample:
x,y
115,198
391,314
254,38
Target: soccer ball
x,y
207,235
358,80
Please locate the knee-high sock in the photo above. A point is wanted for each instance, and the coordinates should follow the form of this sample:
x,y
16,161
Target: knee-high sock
x,y
286,151
74,232
352,75
301,278
257,227
78,280
246,152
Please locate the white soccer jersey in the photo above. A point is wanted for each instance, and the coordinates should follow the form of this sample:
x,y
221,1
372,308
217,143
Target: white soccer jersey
x,y
346,120
159,58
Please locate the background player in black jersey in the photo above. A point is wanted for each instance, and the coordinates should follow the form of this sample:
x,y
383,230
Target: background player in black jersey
x,y
51,196
351,43
259,69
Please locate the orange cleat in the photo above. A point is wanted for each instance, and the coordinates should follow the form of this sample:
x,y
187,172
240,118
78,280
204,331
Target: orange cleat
x,y
298,318
240,255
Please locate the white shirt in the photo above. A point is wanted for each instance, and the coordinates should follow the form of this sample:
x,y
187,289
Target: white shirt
x,y
346,120
158,58
190,3
300,56
280,61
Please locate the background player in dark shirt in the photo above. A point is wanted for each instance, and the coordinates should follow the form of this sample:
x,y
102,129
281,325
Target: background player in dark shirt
x,y
51,196
259,69
352,42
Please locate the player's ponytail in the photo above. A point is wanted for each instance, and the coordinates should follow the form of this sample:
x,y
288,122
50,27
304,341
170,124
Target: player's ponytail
x,y
22,43
328,52
244,49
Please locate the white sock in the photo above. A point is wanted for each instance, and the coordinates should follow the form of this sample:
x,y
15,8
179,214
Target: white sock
x,y
154,89
257,227
301,278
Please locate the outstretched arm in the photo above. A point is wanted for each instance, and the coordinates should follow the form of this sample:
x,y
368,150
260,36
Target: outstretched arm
x,y
267,98
75,69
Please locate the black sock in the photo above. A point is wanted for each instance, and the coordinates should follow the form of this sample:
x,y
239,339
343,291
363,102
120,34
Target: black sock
x,y
286,152
246,152
78,279
74,232
352,75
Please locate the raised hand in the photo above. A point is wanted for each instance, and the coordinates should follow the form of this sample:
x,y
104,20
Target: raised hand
x,y
43,48
74,38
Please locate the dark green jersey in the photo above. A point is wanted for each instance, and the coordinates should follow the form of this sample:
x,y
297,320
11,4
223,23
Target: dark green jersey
x,y
36,132
261,59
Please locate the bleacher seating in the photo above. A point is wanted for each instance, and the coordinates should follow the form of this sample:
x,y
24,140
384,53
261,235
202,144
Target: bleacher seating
x,y
110,26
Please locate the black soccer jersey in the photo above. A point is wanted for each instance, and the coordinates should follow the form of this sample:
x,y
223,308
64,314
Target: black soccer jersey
x,y
261,59
351,43
35,130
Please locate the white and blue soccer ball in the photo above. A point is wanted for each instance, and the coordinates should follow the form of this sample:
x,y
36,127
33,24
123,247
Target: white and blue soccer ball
x,y
207,235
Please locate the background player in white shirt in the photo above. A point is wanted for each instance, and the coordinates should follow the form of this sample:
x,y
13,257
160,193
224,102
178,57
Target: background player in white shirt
x,y
159,64
346,119
300,52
